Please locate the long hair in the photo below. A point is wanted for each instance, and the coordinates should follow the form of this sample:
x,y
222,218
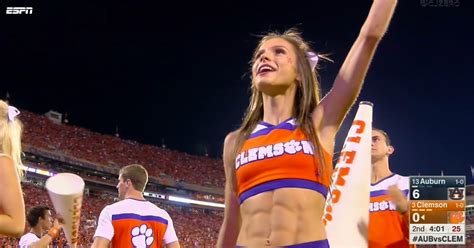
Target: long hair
x,y
306,99
10,137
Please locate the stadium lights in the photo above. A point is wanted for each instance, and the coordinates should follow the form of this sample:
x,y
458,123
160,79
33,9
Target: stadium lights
x,y
204,203
155,195
38,171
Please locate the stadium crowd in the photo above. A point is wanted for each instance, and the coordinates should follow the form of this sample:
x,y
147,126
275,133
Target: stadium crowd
x,y
109,150
185,219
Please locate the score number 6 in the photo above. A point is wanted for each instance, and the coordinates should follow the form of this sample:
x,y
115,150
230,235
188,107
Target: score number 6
x,y
415,193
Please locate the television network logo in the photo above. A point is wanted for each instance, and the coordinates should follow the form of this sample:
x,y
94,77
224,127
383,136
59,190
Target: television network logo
x,y
19,10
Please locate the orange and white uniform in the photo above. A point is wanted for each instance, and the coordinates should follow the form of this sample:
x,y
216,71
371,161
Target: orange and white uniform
x,y
387,227
135,223
280,156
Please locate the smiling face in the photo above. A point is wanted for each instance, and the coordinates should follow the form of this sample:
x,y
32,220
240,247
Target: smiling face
x,y
275,66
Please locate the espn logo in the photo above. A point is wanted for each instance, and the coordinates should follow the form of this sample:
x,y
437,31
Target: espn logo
x,y
19,10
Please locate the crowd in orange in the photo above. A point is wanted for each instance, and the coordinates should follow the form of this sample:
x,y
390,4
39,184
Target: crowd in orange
x,y
195,227
109,150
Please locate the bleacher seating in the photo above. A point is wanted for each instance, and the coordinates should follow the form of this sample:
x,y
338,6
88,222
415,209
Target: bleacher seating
x,y
113,151
186,219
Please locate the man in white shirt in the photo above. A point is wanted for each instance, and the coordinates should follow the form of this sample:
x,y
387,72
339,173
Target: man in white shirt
x,y
39,218
388,212
134,221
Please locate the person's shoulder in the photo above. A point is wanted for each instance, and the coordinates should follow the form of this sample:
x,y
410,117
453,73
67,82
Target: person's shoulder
x,y
157,211
230,142
119,207
7,166
164,213
145,205
28,238
107,208
402,181
122,204
24,236
231,138
402,178
157,208
5,158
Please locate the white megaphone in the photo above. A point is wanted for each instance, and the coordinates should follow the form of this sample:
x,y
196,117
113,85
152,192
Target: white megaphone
x,y
66,191
347,206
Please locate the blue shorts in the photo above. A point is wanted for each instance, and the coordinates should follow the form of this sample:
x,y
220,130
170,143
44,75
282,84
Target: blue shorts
x,y
314,244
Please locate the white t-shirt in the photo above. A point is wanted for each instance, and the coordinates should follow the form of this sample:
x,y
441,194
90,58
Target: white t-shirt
x,y
27,240
139,222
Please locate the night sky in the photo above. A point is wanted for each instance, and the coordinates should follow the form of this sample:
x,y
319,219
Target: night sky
x,y
177,72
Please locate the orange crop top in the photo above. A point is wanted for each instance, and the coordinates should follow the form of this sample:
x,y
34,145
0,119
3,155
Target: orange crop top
x,y
279,156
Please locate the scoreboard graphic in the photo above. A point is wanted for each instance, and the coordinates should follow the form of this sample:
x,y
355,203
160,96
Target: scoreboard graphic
x,y
437,210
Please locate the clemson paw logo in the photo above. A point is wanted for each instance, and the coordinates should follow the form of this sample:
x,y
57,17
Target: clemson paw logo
x,y
456,217
142,236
